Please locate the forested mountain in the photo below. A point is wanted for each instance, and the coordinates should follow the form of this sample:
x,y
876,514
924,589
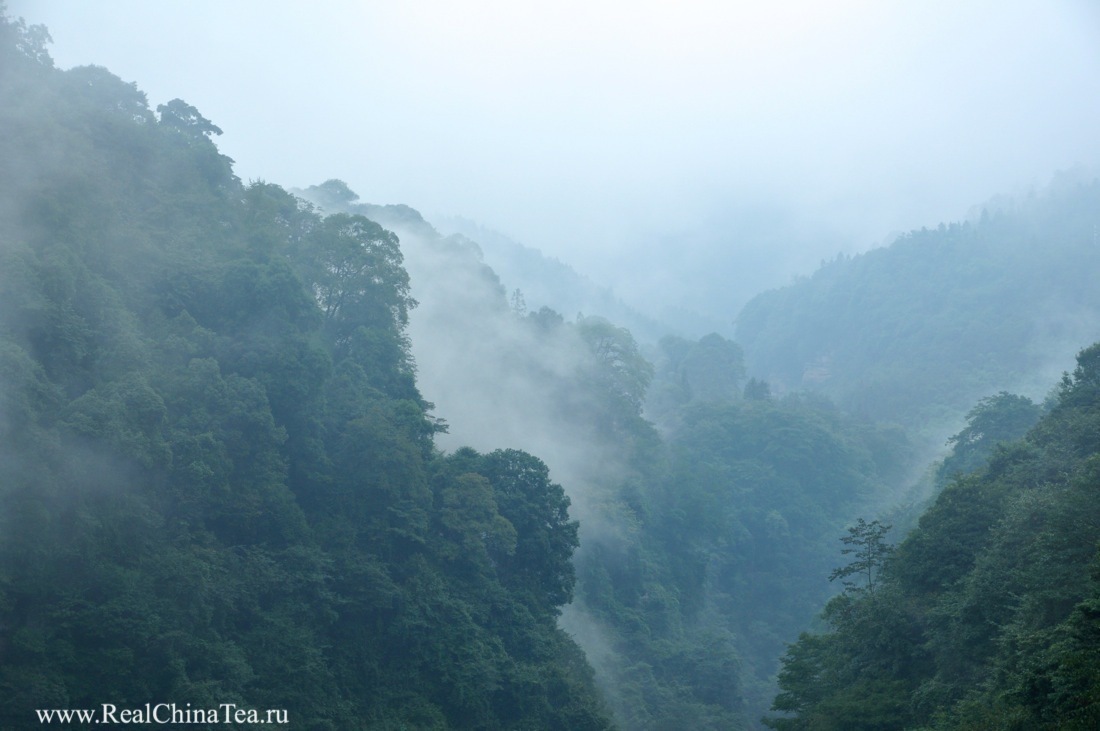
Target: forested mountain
x,y
292,450
703,541
218,483
724,543
987,616
544,281
917,331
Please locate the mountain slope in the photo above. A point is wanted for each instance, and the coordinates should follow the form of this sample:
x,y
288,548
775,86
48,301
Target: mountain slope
x,y
986,615
219,486
917,331
547,282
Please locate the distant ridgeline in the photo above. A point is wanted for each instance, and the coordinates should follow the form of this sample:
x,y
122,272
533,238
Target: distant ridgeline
x,y
918,331
533,280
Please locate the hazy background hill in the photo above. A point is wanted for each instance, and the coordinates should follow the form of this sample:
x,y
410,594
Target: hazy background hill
x,y
545,281
917,331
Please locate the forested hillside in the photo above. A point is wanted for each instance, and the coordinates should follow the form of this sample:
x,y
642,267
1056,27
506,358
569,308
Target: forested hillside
x,y
705,533
542,281
218,483
918,331
297,451
222,485
725,541
987,616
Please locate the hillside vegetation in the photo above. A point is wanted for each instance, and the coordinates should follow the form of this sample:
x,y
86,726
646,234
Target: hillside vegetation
x,y
918,331
218,483
987,616
303,452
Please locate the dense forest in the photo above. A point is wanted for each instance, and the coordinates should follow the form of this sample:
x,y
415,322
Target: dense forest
x,y
291,450
708,508
219,483
918,331
987,615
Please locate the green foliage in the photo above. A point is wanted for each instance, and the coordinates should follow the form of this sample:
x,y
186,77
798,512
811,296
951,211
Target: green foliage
x,y
619,367
996,419
22,42
539,568
708,371
218,481
185,119
867,542
993,594
718,553
757,390
916,331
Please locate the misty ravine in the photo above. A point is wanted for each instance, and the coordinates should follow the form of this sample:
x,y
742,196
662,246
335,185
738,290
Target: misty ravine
x,y
281,453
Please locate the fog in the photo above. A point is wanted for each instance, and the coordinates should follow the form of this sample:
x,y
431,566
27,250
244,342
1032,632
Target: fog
x,y
644,143
685,157
496,379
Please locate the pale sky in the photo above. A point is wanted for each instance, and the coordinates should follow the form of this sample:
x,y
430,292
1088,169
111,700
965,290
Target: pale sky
x,y
598,130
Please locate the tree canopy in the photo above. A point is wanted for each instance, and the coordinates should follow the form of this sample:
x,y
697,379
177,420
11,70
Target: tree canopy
x,y
218,480
985,616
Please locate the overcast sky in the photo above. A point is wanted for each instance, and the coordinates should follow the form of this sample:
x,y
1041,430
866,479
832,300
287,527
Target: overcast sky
x,y
596,130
